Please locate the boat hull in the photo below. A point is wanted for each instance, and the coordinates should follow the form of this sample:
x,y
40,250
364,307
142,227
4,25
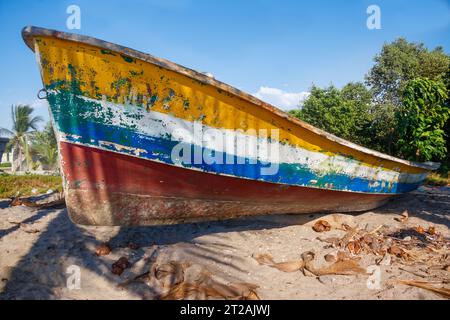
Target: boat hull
x,y
108,188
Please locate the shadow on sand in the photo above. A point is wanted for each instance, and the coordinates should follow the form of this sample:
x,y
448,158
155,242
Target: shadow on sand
x,y
63,244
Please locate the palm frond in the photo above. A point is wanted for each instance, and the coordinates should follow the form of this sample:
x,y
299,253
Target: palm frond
x,y
34,122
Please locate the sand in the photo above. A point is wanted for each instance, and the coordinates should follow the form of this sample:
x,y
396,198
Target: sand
x,y
41,252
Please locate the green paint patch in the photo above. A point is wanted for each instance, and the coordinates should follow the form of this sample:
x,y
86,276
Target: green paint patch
x,y
186,104
74,84
103,51
122,82
128,59
153,100
135,73
169,97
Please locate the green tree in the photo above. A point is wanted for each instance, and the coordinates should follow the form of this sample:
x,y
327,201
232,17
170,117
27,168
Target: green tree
x,y
401,61
445,167
421,119
384,134
344,113
44,145
24,124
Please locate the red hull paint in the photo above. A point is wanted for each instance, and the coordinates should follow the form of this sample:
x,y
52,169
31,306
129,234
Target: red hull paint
x,y
107,188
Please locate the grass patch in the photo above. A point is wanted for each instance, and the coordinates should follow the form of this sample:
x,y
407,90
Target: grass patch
x,y
5,165
11,185
435,179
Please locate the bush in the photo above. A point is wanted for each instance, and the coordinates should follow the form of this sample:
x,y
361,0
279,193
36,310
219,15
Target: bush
x,y
11,185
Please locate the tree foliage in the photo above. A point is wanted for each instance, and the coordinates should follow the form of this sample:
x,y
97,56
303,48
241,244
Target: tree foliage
x,y
24,124
402,61
422,119
345,113
402,112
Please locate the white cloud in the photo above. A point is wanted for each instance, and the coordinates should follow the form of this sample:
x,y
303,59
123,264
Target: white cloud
x,y
280,98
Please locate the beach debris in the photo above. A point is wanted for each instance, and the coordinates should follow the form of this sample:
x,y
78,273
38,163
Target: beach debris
x,y
444,292
170,273
206,287
431,230
420,229
53,204
264,259
330,258
332,241
397,251
403,217
171,277
411,245
354,247
289,266
344,255
103,249
384,261
343,265
28,228
321,226
413,272
120,265
139,277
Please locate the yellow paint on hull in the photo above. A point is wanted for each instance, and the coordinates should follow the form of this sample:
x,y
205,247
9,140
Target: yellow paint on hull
x,y
117,77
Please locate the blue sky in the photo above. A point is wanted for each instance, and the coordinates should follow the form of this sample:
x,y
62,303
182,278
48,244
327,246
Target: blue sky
x,y
274,49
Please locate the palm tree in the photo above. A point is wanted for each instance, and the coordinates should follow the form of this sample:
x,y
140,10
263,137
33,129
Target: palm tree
x,y
45,147
23,125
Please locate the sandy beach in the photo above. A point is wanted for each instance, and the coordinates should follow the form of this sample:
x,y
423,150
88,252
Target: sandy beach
x,y
40,249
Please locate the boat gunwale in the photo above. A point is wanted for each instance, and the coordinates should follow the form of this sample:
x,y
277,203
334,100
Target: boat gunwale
x,y
29,32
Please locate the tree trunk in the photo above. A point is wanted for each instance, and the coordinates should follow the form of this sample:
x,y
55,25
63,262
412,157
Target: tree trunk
x,y
17,159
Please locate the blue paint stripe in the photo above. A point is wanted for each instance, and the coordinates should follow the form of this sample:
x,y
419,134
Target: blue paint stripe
x,y
92,133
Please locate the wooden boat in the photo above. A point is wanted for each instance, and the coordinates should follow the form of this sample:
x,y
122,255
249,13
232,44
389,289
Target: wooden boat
x,y
128,128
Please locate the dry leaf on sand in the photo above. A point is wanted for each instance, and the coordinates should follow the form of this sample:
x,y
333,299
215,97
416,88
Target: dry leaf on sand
x,y
28,228
354,247
345,267
340,267
403,217
239,291
170,273
330,258
103,249
420,229
321,226
205,287
264,259
289,266
445,292
218,291
120,265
